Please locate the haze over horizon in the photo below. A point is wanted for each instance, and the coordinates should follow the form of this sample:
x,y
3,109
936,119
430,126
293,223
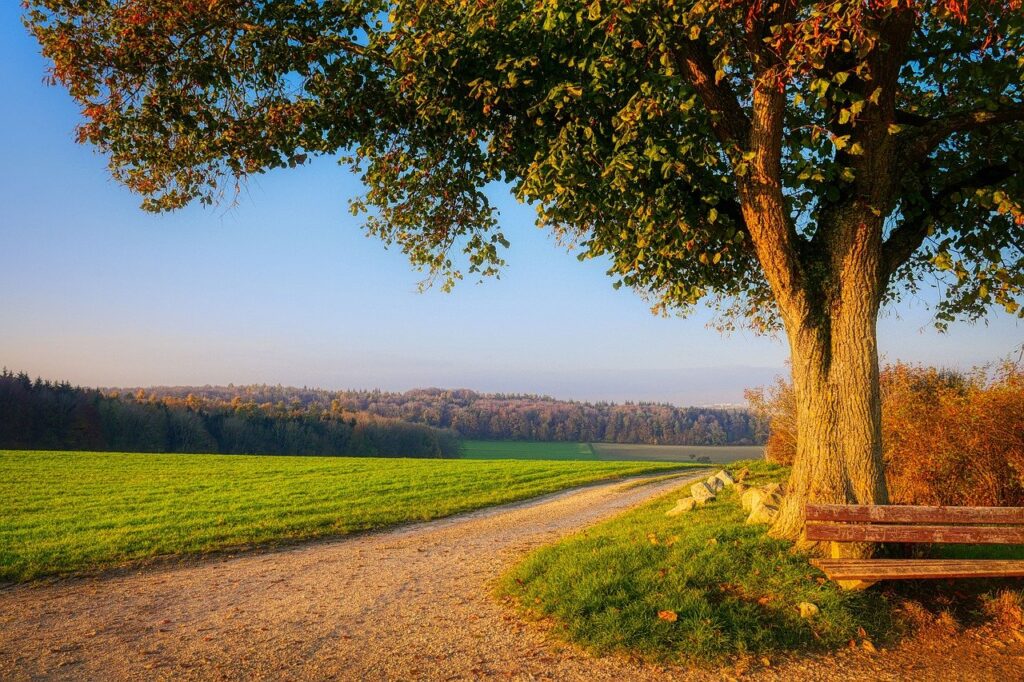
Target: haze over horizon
x,y
704,383
284,289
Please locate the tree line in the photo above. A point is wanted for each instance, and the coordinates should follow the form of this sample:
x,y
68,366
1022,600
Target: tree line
x,y
500,416
48,415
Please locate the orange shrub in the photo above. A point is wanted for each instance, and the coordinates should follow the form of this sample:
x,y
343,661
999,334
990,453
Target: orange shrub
x,y
776,405
948,437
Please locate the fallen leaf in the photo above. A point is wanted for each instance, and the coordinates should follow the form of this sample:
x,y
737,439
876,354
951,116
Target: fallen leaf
x,y
808,610
869,647
670,616
766,662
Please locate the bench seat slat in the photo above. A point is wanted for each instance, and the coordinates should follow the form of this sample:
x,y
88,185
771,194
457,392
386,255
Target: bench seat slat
x,y
910,569
853,513
868,532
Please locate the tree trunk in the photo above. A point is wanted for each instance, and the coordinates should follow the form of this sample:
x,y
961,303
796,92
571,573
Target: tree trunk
x,y
835,378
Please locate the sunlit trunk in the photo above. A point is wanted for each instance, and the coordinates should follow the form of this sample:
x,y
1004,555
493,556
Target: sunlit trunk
x,y
835,377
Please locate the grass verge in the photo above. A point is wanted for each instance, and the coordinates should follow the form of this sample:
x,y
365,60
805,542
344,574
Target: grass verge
x,y
68,512
700,587
704,587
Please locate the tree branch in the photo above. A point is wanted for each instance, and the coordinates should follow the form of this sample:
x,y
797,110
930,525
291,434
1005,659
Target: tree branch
x,y
911,233
730,123
933,133
771,227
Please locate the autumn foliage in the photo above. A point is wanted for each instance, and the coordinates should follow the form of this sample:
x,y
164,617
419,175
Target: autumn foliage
x,y
948,437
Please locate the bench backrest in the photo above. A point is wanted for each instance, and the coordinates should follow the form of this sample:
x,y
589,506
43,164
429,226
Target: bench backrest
x,y
899,523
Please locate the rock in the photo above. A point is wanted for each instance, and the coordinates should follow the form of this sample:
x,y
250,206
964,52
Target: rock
x,y
752,497
768,494
763,513
702,493
742,474
808,610
741,488
714,483
684,505
726,478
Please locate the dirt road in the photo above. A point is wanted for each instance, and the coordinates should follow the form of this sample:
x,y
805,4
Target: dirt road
x,y
409,603
412,603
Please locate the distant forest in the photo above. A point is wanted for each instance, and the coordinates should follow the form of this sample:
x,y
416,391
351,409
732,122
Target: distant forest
x,y
43,415
499,416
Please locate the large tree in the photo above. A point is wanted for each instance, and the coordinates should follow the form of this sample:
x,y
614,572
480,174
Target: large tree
x,y
798,163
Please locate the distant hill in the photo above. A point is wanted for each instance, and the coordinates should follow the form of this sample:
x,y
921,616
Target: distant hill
x,y
498,416
44,415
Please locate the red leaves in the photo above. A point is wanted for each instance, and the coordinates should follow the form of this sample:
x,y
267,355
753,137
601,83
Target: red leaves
x,y
958,8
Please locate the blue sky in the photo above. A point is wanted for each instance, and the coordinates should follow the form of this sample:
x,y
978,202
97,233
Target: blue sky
x,y
285,288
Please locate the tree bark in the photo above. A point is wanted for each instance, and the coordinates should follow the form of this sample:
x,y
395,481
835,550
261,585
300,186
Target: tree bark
x,y
835,378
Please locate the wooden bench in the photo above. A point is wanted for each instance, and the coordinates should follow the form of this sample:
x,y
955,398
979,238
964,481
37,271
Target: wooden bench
x,y
839,523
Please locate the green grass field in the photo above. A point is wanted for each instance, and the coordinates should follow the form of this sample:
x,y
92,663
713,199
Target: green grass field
x,y
611,452
723,589
67,512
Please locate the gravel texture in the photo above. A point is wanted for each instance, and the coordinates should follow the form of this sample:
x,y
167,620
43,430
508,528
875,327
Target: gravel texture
x,y
411,603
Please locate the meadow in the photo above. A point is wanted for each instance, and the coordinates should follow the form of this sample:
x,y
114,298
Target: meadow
x,y
487,449
524,449
70,512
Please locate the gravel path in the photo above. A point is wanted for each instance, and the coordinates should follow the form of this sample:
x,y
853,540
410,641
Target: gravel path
x,y
412,603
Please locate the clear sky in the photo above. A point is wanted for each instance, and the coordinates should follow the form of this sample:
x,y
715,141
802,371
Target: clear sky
x,y
285,288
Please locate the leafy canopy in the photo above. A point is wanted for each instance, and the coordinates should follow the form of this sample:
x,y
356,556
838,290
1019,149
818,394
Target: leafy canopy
x,y
634,127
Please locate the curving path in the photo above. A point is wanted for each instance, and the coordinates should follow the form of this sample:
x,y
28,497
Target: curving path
x,y
411,603
403,604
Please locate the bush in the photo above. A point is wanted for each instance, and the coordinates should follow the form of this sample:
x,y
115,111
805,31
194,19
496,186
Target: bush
x,y
776,405
948,437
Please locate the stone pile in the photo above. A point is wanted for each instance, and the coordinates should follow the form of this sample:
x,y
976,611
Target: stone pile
x,y
760,502
703,492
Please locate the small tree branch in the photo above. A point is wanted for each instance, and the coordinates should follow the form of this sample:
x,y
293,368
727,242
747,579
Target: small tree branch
x,y
910,234
728,120
934,132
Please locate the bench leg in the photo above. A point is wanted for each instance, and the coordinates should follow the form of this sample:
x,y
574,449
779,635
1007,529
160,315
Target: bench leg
x,y
837,551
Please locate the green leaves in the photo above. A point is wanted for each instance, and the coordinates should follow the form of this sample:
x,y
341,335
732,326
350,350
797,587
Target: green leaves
x,y
616,120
